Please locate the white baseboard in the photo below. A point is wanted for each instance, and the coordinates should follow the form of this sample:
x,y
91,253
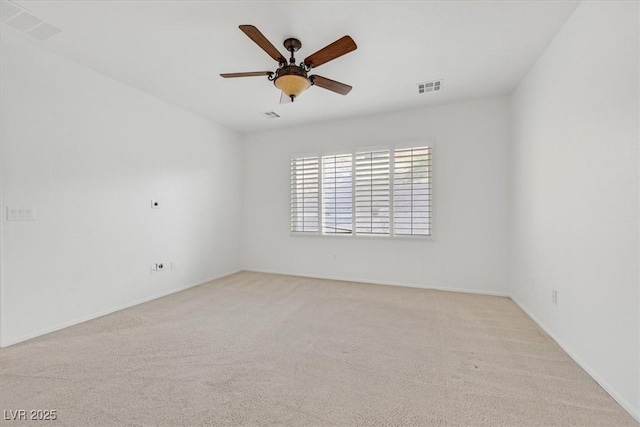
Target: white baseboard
x,y
635,413
111,310
379,282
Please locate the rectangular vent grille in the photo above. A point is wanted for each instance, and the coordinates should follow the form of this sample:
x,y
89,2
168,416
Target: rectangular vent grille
x,y
44,31
8,10
433,86
271,115
26,22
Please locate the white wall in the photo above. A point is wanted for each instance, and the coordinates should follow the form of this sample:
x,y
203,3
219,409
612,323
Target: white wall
x,y
574,194
89,154
470,165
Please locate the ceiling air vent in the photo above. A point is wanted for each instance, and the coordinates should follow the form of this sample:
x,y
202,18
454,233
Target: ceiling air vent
x,y
8,10
26,22
433,86
44,31
271,115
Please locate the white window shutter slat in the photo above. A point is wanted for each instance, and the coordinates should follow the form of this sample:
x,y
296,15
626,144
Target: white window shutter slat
x,y
372,193
412,192
305,189
337,194
382,192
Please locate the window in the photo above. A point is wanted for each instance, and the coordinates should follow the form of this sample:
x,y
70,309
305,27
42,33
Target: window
x,y
305,190
412,191
337,215
372,193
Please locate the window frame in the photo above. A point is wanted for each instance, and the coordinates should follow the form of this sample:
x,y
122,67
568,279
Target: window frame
x,y
353,150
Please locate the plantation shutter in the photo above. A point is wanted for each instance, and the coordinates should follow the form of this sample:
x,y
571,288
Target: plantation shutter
x,y
305,189
372,192
412,195
337,216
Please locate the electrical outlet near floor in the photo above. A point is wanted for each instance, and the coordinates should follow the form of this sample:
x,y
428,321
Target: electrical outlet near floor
x,y
554,296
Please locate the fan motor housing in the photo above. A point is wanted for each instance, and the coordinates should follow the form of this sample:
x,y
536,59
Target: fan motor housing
x,y
289,70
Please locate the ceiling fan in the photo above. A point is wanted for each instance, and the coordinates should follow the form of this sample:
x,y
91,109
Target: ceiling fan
x,y
293,79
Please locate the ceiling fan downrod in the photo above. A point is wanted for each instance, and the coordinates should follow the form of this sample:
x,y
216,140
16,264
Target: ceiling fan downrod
x,y
292,45
293,79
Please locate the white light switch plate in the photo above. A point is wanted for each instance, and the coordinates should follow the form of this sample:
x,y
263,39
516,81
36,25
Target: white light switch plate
x,y
21,214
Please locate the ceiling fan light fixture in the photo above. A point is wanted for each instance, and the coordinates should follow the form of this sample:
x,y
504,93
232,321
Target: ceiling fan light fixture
x,y
293,79
292,84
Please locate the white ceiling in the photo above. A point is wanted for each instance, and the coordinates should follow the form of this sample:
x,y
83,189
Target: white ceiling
x,y
176,50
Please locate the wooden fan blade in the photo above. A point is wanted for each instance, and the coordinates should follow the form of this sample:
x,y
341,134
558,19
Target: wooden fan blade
x,y
258,38
334,50
331,85
250,74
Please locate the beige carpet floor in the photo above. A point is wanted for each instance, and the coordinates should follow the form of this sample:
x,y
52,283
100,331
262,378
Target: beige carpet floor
x,y
257,349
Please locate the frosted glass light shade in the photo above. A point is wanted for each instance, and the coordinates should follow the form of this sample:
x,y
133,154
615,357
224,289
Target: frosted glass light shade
x,y
292,85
